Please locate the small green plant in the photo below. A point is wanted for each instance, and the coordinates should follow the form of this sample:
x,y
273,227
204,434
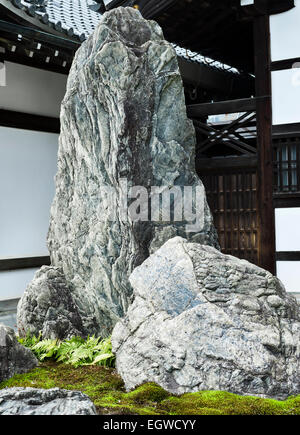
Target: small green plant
x,y
76,351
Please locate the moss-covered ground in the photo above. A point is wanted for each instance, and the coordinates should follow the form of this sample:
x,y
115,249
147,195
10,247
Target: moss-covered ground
x,y
106,390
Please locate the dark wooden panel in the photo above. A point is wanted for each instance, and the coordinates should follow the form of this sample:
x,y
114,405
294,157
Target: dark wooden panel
x,y
23,263
231,194
288,256
27,121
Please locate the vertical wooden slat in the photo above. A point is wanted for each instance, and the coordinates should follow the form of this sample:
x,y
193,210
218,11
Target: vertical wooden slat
x,y
251,206
266,219
280,168
230,212
225,213
238,202
289,166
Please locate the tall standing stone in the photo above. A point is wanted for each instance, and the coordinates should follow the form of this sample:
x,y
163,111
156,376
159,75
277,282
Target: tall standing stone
x,y
123,118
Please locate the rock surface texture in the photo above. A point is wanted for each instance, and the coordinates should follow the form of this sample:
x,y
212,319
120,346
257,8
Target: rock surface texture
x,y
14,358
47,307
33,401
202,320
123,118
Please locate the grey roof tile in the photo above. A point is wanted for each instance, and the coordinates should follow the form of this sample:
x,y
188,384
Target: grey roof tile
x,y
72,17
75,19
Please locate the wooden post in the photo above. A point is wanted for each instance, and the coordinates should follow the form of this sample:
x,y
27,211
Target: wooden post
x,y
266,218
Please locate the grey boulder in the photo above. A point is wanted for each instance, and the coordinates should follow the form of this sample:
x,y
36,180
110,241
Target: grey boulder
x,y
33,401
202,320
47,307
14,358
123,125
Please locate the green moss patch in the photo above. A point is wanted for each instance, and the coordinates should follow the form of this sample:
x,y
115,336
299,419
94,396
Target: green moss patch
x,y
106,390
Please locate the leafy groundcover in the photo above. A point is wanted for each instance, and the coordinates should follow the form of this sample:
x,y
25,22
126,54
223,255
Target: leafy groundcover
x,y
88,366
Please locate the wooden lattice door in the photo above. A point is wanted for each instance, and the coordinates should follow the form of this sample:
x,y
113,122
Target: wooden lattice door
x,y
232,198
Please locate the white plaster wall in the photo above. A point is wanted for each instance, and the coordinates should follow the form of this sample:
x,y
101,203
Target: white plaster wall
x,y
28,163
14,283
285,34
285,37
287,222
286,96
289,273
32,90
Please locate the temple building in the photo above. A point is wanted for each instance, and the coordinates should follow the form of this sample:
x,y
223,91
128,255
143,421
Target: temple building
x,y
240,65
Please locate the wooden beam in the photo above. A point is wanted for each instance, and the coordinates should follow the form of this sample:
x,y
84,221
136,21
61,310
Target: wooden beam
x,y
291,200
266,215
288,256
280,65
38,35
218,164
223,107
35,62
27,121
23,263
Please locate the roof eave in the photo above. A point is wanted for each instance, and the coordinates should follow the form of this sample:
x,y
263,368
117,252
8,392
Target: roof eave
x,y
36,21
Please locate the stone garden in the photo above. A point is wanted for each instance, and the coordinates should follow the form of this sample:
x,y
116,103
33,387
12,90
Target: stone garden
x,y
183,317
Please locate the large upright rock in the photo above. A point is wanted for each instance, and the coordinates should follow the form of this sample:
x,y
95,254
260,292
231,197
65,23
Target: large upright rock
x,y
123,118
202,320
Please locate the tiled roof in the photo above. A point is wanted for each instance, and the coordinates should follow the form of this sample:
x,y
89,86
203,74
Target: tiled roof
x,y
198,58
70,17
77,20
